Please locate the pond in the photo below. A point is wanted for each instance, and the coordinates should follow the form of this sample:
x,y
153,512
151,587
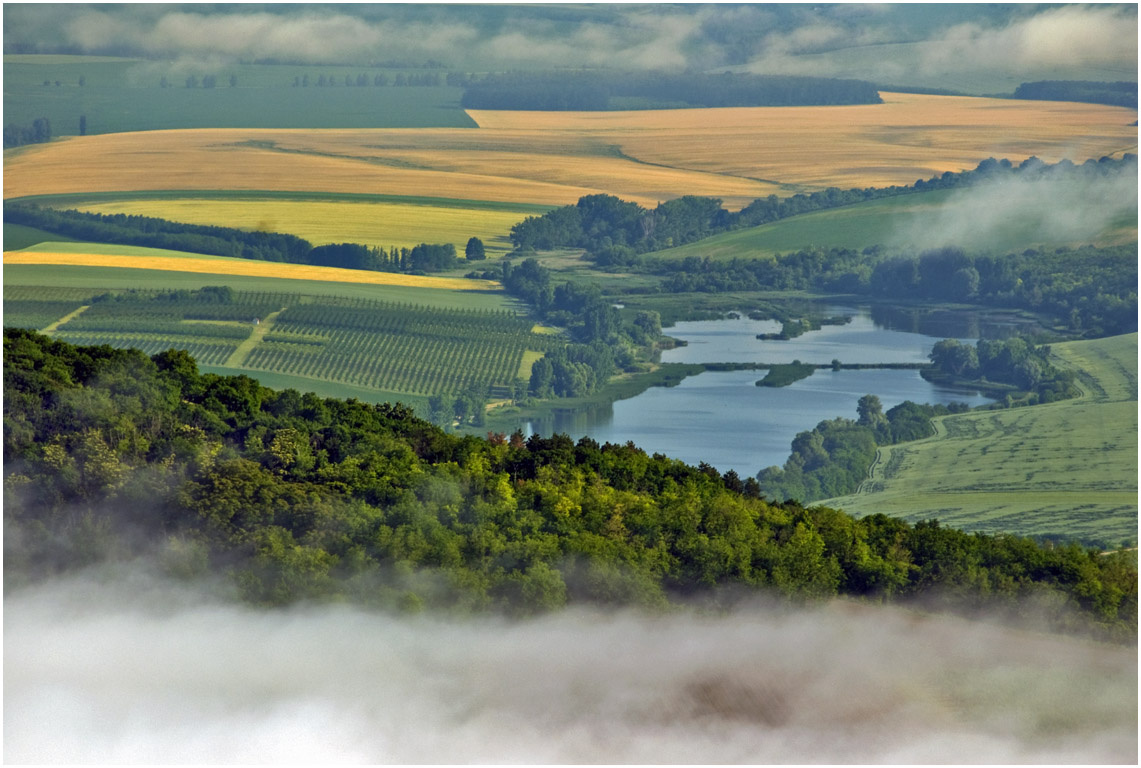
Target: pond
x,y
724,419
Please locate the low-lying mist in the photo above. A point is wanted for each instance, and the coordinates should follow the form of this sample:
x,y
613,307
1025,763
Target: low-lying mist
x,y
118,666
1078,210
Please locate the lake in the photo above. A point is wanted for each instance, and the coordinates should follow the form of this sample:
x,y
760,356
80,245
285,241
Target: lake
x,y
724,419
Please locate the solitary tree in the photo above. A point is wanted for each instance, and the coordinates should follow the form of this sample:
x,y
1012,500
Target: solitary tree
x,y
870,410
474,250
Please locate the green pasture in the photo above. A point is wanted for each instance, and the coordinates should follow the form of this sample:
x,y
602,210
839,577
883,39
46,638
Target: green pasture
x,y
125,95
96,280
113,249
900,221
1065,469
17,237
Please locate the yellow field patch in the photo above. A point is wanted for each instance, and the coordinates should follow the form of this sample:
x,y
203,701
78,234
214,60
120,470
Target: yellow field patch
x,y
529,358
737,154
248,268
321,222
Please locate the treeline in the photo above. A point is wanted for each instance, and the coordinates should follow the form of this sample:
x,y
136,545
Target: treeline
x,y
109,454
379,80
589,91
39,132
1011,361
1117,94
1091,290
615,232
832,459
601,343
123,229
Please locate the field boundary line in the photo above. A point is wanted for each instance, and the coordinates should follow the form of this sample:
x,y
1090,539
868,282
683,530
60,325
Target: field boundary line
x,y
239,355
250,268
65,319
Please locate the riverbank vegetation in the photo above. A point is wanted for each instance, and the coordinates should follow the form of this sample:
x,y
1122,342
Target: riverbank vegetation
x,y
112,454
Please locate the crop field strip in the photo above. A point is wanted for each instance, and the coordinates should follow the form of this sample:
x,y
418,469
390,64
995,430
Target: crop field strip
x,y
372,345
324,222
92,281
1068,467
737,154
220,265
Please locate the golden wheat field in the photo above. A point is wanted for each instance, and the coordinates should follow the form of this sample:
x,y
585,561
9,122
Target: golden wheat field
x,y
246,267
736,154
321,222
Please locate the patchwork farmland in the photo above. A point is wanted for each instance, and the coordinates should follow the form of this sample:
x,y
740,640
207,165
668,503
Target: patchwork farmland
x,y
555,158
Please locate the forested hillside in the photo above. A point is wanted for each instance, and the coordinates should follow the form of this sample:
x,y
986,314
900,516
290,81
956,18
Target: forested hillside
x,y
110,454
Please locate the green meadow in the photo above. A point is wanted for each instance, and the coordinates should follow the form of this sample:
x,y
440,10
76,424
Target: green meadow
x,y
1065,469
263,97
895,221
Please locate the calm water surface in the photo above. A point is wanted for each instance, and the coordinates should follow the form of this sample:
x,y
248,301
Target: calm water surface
x,y
722,418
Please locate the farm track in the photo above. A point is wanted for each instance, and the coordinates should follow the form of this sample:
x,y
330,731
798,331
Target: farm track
x,y
65,319
258,333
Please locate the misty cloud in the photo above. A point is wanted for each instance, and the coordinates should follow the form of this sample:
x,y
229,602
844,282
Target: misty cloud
x,y
1031,46
126,669
774,39
1077,211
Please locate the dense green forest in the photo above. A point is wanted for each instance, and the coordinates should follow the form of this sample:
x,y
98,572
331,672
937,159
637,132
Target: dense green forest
x,y
591,91
109,453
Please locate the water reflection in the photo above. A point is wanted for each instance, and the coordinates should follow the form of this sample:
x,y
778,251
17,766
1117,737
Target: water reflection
x,y
722,418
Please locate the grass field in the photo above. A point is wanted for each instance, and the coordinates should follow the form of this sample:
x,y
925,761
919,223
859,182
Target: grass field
x,y
124,95
911,220
321,222
736,154
18,237
1067,468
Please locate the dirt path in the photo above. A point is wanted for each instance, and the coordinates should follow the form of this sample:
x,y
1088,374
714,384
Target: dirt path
x,y
239,355
66,318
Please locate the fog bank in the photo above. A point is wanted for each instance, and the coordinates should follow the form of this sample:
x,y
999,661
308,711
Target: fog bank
x,y
975,217
117,670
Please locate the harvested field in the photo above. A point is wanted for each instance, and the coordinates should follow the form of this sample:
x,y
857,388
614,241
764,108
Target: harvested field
x,y
737,154
246,267
908,137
